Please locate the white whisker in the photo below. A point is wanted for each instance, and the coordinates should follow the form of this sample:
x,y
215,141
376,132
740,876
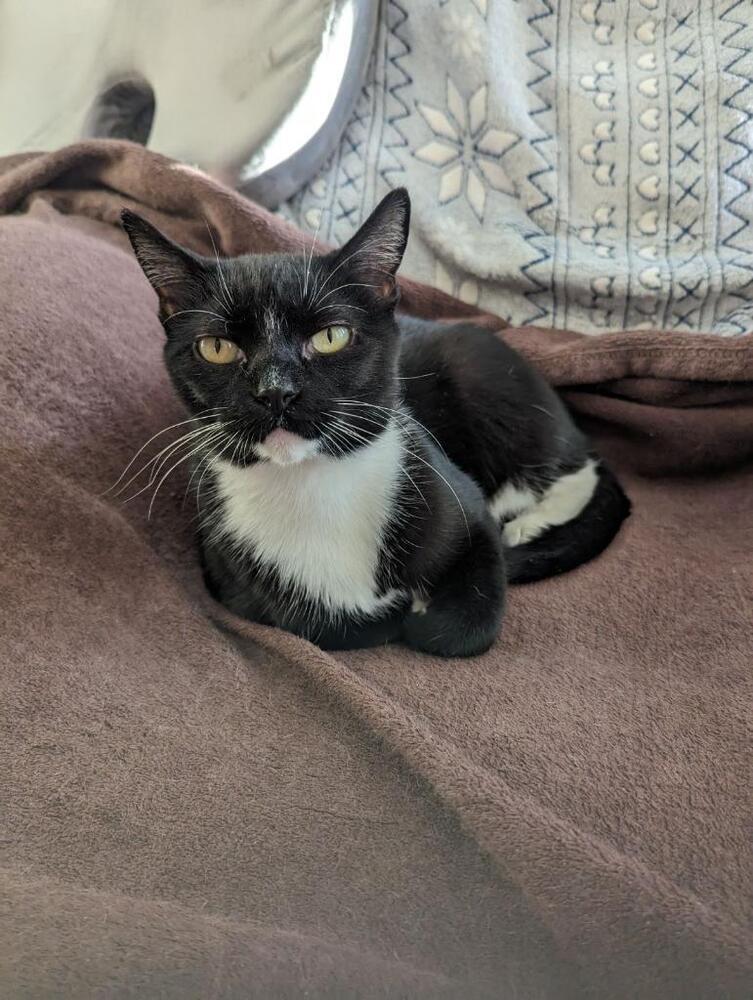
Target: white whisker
x,y
343,305
350,284
311,256
207,467
227,298
161,458
204,415
194,471
204,459
168,453
172,468
419,457
348,428
399,413
447,484
206,312
334,271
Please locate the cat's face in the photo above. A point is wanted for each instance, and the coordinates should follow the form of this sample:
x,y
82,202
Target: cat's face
x,y
287,356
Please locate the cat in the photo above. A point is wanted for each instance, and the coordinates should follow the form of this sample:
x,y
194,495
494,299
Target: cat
x,y
367,477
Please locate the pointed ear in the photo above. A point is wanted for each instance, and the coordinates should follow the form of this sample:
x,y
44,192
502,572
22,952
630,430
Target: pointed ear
x,y
374,253
176,274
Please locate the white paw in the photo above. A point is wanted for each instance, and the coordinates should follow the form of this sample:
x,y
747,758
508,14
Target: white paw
x,y
420,604
522,529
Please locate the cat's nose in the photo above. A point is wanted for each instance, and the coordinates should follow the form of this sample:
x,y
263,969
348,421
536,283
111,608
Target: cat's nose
x,y
277,398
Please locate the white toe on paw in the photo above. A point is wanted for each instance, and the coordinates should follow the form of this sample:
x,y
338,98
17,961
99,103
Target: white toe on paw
x,y
521,530
420,605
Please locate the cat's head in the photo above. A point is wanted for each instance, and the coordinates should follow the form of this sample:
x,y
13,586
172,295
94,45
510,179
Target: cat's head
x,y
288,356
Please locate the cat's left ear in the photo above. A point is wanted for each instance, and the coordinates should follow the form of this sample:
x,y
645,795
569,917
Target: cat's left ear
x,y
177,275
374,253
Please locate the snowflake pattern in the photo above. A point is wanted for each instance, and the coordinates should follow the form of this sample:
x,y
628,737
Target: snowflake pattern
x,y
467,149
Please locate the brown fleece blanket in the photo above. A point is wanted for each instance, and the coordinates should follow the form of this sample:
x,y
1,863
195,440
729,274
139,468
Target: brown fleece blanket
x,y
193,806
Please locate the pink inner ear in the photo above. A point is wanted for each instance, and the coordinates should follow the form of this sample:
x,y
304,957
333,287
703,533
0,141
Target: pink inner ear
x,y
386,288
168,303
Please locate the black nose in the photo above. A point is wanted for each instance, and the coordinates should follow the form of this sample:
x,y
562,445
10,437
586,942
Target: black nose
x,y
277,399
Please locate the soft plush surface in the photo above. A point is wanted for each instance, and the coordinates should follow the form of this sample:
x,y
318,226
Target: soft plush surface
x,y
579,163
193,807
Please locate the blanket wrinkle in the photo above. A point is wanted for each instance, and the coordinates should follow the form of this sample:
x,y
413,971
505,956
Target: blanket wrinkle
x,y
416,741
176,921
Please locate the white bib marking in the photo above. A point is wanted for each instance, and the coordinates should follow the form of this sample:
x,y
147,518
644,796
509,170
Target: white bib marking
x,y
319,523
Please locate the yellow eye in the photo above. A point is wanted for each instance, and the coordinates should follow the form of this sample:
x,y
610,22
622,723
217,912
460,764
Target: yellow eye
x,y
217,350
331,339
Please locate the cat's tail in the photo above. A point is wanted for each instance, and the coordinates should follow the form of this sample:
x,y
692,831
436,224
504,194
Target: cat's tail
x,y
566,546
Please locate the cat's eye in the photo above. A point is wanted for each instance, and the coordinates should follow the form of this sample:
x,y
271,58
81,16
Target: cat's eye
x,y
331,339
218,350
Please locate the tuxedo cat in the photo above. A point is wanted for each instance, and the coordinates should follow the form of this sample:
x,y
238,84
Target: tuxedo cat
x,y
363,477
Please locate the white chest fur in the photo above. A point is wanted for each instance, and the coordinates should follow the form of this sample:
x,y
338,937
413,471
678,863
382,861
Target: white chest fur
x,y
319,523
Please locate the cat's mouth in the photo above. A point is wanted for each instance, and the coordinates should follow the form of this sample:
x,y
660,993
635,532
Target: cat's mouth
x,y
285,447
280,440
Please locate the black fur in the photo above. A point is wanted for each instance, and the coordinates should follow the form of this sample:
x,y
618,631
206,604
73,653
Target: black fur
x,y
473,416
499,420
496,417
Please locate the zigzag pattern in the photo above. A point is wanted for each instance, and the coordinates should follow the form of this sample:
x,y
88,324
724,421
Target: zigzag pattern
x,y
396,109
540,288
740,167
350,169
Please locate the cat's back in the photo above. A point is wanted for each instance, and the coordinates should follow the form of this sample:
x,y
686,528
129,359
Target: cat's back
x,y
470,356
492,412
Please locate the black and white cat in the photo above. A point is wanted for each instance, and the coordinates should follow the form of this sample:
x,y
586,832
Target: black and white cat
x,y
371,478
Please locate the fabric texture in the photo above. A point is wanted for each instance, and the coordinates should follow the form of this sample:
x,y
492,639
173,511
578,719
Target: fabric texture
x,y
194,806
582,164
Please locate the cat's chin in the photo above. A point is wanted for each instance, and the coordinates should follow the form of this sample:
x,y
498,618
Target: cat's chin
x,y
283,447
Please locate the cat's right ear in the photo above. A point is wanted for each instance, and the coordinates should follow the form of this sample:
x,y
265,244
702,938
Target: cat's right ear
x,y
176,275
373,254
